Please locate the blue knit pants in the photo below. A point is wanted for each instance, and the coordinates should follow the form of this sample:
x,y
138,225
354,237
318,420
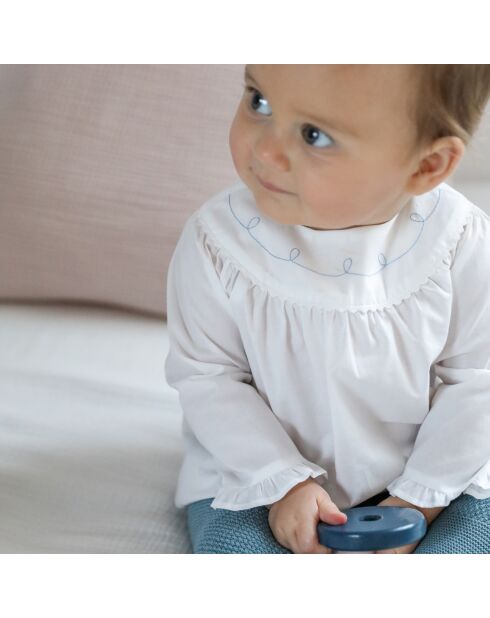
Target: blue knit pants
x,y
462,528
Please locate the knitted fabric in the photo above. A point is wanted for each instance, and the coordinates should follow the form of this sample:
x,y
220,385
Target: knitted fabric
x,y
462,528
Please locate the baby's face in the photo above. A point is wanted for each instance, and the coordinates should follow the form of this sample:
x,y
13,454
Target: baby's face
x,y
335,137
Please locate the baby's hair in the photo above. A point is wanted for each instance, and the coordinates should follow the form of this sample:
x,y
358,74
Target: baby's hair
x,y
450,99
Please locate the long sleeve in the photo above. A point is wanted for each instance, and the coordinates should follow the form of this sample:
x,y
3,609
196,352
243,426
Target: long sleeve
x,y
451,454
257,460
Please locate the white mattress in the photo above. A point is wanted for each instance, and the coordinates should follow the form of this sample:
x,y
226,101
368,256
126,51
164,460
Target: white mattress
x,y
90,442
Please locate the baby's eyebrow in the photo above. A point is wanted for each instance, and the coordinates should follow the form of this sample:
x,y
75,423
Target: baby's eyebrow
x,y
340,127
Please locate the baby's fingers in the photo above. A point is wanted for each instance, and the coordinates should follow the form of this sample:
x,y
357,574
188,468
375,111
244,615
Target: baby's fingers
x,y
329,512
306,538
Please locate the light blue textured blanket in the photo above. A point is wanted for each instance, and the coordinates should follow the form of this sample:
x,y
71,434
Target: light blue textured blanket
x,y
462,528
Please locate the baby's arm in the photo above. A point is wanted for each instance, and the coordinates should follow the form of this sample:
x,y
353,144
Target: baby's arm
x,y
255,458
451,454
429,513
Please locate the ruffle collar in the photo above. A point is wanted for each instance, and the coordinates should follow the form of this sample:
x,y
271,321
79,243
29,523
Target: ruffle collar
x,y
360,268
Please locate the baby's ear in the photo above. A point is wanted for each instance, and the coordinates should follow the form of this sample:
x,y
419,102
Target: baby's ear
x,y
438,162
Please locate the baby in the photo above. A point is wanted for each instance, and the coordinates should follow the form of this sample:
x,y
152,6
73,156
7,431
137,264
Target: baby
x,y
329,314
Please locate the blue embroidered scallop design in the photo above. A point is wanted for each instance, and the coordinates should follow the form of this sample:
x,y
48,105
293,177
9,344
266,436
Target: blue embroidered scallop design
x,y
347,263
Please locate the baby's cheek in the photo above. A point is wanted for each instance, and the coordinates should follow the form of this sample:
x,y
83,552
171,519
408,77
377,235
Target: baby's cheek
x,y
239,148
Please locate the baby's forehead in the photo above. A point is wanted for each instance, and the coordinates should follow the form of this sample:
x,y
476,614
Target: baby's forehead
x,y
364,94
370,80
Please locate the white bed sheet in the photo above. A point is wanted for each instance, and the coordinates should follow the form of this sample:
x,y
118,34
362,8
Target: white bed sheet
x,y
90,442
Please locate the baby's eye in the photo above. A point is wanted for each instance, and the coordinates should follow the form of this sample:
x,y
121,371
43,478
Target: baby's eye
x,y
308,131
255,98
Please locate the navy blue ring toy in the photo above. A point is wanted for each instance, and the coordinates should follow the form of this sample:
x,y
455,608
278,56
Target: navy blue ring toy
x,y
369,528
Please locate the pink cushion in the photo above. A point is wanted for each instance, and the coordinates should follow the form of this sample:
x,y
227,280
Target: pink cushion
x,y
101,165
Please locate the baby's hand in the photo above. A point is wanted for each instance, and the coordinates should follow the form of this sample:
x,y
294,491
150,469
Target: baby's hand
x,y
429,513
294,518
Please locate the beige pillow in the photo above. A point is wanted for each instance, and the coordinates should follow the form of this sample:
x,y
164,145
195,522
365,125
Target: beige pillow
x,y
100,166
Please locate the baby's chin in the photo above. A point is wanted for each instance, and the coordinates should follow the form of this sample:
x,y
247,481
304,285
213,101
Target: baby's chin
x,y
281,216
277,214
279,207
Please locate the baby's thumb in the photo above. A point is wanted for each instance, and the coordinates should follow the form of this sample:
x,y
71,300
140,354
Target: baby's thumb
x,y
330,513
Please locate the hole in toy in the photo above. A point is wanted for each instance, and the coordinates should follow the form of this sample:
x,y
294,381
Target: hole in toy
x,y
370,517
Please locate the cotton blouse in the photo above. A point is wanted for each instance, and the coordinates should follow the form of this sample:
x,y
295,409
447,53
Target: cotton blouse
x,y
358,357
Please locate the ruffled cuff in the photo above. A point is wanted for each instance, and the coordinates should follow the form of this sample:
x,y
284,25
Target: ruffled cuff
x,y
479,486
418,494
268,491
426,497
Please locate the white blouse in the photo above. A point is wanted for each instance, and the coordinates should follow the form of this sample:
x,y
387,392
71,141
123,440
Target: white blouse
x,y
358,357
